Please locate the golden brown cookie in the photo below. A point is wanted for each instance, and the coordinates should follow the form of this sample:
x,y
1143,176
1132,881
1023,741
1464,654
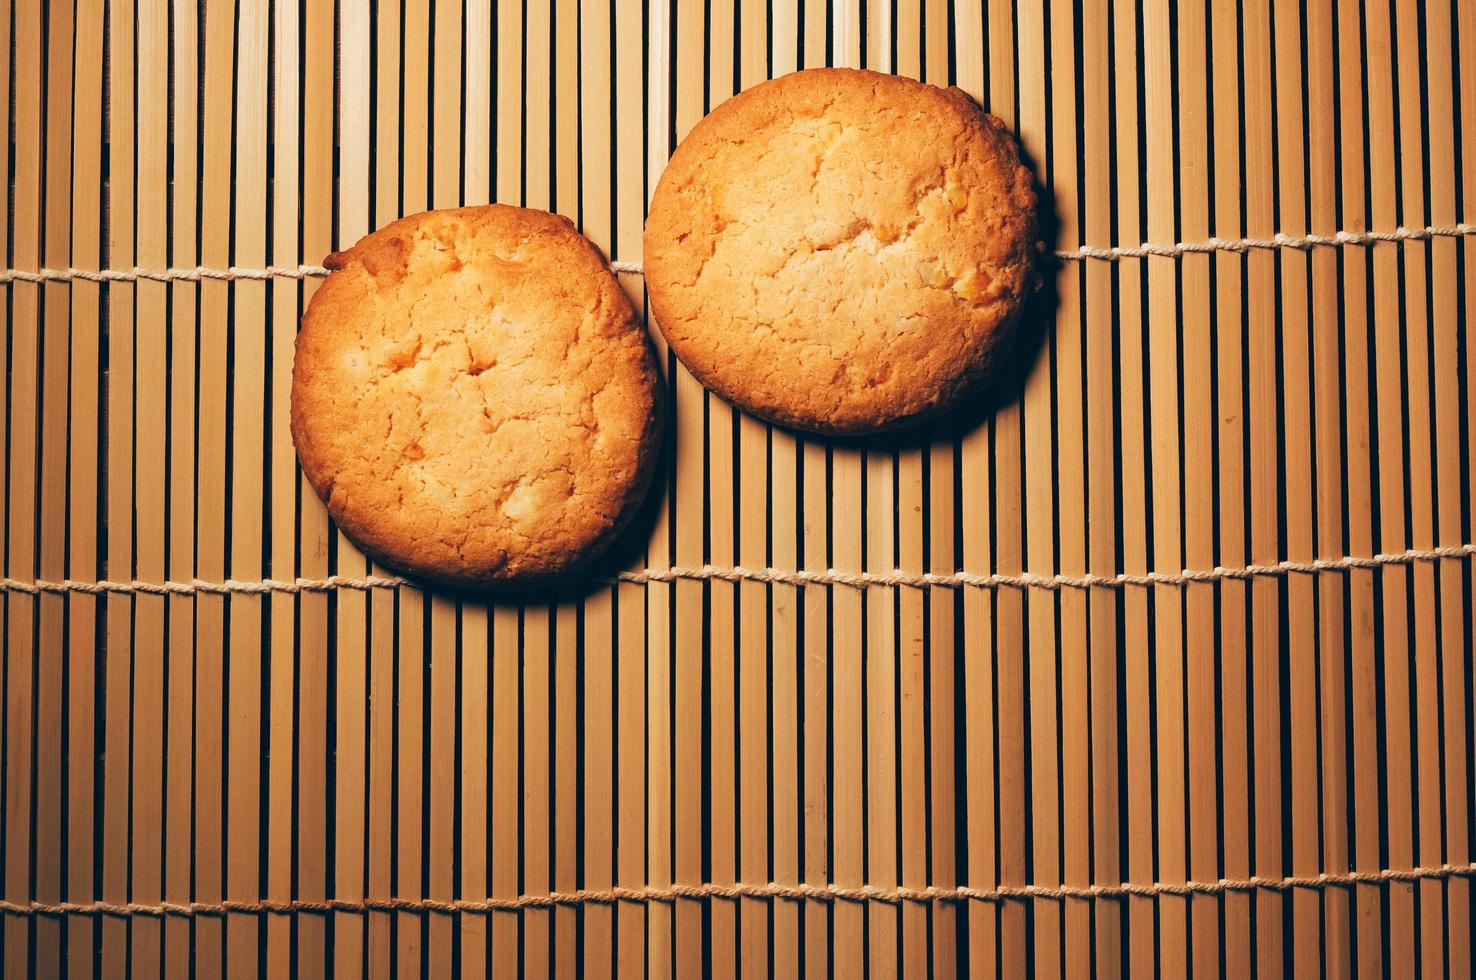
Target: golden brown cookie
x,y
473,398
841,250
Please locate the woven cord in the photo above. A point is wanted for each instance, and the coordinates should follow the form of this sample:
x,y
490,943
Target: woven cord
x,y
772,890
1240,245
777,576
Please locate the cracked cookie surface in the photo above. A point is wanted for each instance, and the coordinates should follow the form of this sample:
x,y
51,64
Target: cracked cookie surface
x,y
473,397
840,250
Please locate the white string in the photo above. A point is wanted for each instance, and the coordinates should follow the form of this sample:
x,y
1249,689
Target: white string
x,y
803,891
172,274
778,576
1279,240
1240,245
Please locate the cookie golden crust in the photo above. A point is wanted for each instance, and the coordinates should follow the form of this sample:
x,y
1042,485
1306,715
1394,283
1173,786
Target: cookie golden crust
x,y
473,398
841,250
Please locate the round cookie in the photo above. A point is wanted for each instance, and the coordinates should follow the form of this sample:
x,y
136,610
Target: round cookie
x,y
840,250
473,397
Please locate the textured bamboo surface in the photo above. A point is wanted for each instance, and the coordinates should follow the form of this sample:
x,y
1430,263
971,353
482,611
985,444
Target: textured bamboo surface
x,y
705,763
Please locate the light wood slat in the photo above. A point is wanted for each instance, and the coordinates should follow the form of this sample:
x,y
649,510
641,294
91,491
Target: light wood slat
x,y
906,641
120,121
721,783
384,605
211,435
536,796
908,825
246,442
1265,491
1231,438
51,554
599,670
879,695
558,929
1409,61
815,611
1166,490
1441,134
287,199
1329,467
16,935
510,173
979,694
566,749
23,334
937,800
184,301
1101,443
315,767
150,387
976,705
408,936
1069,346
1134,543
1005,555
474,725
753,615
881,507
444,70
846,803
785,646
414,647
444,655
1395,745
633,152
539,165
630,783
688,445
661,650
352,652
1463,40
940,816
1297,477
599,676
816,607
502,823
1201,857
879,710
1367,833
1039,518
85,488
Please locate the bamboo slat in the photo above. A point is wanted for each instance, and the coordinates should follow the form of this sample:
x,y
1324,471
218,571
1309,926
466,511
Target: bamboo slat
x,y
85,514
1368,950
120,120
52,511
1453,837
1390,393
352,656
1329,463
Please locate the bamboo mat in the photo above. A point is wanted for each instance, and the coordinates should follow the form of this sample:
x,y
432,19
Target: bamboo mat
x,y
1161,667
